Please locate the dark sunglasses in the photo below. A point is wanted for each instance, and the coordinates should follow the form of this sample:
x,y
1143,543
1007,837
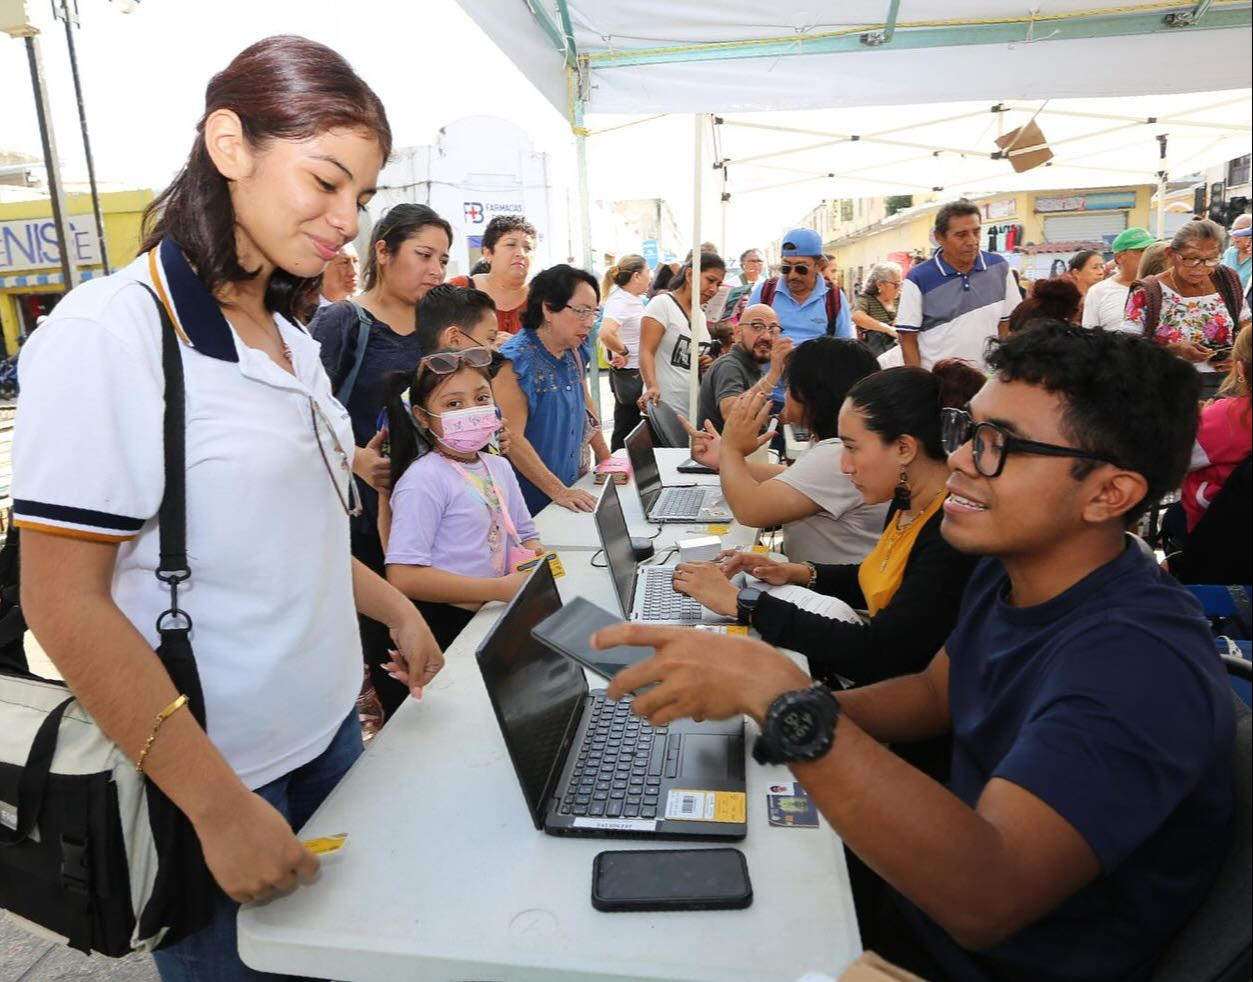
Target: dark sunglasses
x,y
800,269
992,444
447,362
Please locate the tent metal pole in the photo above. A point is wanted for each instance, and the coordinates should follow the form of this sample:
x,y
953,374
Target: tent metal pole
x,y
1161,187
585,233
574,82
1175,120
698,313
956,32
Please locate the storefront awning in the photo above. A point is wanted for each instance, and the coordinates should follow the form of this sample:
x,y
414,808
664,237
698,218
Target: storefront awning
x,y
43,279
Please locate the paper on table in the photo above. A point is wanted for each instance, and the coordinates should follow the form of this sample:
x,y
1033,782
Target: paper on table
x,y
816,603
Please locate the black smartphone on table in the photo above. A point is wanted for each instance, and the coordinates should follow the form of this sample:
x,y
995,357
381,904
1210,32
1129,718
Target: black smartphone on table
x,y
671,879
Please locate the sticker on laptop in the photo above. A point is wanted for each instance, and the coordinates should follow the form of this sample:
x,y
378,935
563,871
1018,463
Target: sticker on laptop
x,y
732,629
617,824
707,806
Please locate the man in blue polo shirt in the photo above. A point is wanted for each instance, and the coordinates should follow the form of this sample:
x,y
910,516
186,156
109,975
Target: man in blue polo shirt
x,y
1090,798
801,297
954,302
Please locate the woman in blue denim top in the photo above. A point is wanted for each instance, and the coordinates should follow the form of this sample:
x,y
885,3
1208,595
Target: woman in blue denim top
x,y
542,390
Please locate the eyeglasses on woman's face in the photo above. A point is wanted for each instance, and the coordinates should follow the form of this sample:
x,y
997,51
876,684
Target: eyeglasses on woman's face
x,y
584,314
1196,262
992,444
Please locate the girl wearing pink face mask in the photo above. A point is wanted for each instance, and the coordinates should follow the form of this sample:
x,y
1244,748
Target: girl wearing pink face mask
x,y
458,523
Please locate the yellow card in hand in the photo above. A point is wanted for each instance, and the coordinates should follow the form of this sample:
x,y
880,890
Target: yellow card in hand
x,y
553,560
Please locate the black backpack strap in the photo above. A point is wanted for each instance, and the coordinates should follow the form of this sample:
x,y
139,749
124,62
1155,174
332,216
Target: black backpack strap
x,y
172,517
173,569
833,308
1227,280
768,290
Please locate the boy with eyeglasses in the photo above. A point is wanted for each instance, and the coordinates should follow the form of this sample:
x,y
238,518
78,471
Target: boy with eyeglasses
x,y
1090,798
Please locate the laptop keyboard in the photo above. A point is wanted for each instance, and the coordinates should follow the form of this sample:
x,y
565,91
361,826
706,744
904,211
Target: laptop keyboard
x,y
620,765
680,502
662,602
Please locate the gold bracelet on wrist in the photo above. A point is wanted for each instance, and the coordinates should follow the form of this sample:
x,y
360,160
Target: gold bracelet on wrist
x,y
813,574
162,716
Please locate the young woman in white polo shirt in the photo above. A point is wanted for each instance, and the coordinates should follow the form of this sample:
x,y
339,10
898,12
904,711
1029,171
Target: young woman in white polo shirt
x,y
287,152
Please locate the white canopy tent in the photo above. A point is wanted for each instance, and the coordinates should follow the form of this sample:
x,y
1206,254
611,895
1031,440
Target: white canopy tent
x,y
1155,67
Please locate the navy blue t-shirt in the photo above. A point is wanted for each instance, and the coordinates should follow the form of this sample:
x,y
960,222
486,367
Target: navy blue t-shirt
x,y
1109,704
335,327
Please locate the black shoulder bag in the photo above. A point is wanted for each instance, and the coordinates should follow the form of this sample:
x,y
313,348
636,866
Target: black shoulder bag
x,y
91,851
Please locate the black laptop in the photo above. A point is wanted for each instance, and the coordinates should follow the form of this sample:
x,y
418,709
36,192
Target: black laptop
x,y
670,503
585,764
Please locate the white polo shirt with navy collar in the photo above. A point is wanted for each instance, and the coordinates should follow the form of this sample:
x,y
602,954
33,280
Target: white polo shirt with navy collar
x,y
270,595
952,313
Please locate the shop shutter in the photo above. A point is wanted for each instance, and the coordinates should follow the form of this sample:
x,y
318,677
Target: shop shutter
x,y
1095,227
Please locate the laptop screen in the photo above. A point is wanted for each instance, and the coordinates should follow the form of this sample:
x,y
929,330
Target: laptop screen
x,y
639,445
537,693
615,540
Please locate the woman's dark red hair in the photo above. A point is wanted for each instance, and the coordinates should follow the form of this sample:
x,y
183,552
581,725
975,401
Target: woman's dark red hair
x,y
282,88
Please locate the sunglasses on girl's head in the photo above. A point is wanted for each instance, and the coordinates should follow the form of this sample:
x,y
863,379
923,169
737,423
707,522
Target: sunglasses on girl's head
x,y
447,362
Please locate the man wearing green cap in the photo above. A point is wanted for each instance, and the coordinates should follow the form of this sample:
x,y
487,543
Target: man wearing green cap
x,y
1104,305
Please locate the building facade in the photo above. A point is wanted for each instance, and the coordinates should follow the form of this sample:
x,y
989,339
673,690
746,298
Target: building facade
x,y
31,282
1037,231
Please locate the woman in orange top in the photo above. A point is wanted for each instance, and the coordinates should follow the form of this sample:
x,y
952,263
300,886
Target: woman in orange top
x,y
911,583
508,244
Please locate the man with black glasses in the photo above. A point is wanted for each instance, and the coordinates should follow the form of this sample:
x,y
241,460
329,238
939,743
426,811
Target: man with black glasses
x,y
758,342
1089,803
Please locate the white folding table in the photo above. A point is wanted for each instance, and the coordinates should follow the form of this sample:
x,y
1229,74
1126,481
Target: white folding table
x,y
445,877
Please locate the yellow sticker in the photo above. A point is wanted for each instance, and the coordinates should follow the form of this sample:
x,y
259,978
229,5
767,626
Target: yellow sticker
x,y
730,806
325,845
737,629
553,560
718,529
760,550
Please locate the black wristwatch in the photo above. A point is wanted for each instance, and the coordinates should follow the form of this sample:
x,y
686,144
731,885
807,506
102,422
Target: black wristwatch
x,y
745,604
799,725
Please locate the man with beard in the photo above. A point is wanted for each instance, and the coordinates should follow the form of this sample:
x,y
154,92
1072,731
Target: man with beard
x,y
758,342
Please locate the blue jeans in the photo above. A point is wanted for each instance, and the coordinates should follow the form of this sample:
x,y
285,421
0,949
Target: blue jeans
x,y
212,955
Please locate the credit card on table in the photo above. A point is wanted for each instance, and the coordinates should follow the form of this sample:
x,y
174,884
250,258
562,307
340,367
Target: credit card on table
x,y
789,806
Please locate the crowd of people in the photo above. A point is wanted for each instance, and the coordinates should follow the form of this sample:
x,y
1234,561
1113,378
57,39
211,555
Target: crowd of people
x,y
1020,730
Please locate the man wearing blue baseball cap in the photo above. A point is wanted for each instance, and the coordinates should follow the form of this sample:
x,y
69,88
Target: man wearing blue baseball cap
x,y
807,306
1239,255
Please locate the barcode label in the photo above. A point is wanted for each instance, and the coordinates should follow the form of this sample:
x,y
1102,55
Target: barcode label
x,y
686,805
690,806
